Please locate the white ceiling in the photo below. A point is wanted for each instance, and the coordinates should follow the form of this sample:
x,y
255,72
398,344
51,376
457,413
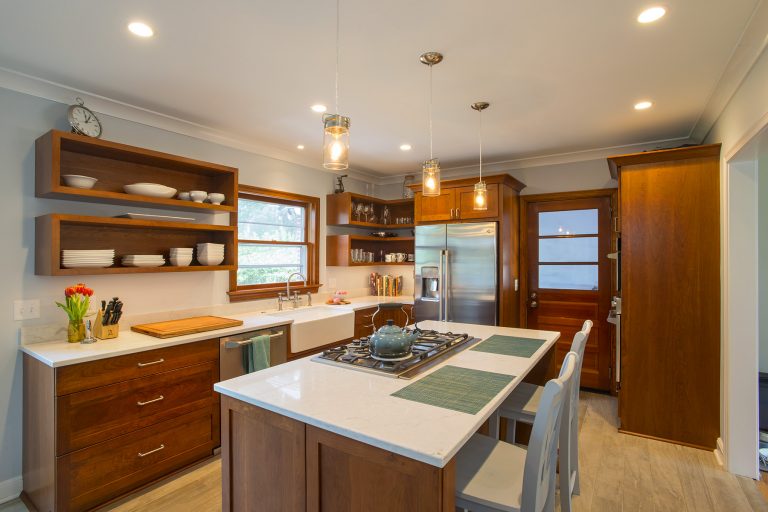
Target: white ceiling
x,y
561,75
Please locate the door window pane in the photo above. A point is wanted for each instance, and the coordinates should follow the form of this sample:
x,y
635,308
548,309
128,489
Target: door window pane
x,y
265,263
568,249
568,277
261,220
568,222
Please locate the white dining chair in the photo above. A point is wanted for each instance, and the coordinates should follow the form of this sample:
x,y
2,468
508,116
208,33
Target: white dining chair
x,y
492,475
522,406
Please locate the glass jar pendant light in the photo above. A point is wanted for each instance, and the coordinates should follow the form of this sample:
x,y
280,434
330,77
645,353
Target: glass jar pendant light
x,y
430,171
480,202
336,126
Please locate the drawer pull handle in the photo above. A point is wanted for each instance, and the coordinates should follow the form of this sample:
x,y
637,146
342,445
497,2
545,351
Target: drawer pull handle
x,y
369,316
161,397
142,365
161,447
371,325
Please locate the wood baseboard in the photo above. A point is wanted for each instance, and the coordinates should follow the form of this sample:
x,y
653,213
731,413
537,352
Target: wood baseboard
x,y
671,441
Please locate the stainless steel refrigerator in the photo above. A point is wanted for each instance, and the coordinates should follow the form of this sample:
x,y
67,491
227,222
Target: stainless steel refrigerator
x,y
456,273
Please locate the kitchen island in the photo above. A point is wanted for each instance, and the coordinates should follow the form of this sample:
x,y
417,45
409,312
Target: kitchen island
x,y
311,436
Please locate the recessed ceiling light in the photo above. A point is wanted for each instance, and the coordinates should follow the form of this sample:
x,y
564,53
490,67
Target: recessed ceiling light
x,y
300,146
140,29
319,108
643,105
405,147
651,14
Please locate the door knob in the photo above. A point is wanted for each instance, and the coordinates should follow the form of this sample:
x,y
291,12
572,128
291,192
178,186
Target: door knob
x,y
533,302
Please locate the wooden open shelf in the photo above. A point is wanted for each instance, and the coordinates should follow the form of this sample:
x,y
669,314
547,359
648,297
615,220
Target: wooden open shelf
x,y
338,249
116,165
338,210
56,232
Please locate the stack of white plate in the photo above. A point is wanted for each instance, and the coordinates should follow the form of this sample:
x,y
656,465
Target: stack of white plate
x,y
210,254
181,256
143,260
86,258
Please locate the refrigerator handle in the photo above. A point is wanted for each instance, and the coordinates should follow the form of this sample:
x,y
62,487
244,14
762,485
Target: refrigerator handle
x,y
447,281
441,287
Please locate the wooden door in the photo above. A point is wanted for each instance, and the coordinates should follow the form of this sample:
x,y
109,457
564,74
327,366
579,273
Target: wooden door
x,y
435,209
465,202
568,277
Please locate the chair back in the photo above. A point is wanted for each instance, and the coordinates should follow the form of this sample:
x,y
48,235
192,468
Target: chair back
x,y
541,459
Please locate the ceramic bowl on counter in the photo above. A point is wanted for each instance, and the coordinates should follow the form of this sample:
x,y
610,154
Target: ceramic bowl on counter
x,y
150,190
78,181
198,196
216,198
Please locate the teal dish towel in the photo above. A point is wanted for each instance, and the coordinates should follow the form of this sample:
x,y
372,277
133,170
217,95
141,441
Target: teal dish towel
x,y
256,354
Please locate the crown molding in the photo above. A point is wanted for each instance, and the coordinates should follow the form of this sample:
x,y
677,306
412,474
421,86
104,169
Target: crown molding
x,y
751,45
502,166
53,91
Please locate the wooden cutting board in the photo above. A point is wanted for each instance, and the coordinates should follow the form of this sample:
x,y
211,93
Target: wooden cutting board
x,y
192,325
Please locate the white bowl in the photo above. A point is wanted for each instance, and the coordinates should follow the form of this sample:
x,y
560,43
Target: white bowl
x,y
78,181
216,198
150,189
210,260
181,261
198,196
184,196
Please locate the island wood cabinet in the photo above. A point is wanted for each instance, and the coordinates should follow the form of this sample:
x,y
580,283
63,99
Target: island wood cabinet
x,y
95,431
670,288
454,205
272,463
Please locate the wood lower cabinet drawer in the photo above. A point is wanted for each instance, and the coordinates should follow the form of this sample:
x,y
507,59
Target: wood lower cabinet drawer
x,y
95,415
95,475
77,377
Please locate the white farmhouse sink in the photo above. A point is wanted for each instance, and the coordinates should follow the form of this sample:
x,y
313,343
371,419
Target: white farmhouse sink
x,y
317,326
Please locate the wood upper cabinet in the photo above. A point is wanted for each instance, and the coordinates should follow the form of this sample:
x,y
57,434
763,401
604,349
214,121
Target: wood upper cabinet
x,y
465,203
435,209
456,200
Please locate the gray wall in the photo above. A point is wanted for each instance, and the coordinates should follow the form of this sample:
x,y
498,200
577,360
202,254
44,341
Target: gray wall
x,y
23,119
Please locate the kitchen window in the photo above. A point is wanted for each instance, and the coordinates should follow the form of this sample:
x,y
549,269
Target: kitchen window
x,y
277,235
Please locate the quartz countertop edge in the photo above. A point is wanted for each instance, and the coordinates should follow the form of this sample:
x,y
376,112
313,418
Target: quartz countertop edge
x,y
359,405
60,353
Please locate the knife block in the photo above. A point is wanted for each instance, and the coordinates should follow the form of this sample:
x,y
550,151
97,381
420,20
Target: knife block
x,y
105,332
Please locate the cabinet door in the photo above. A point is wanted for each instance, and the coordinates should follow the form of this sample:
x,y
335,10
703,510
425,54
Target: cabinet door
x,y
466,201
433,209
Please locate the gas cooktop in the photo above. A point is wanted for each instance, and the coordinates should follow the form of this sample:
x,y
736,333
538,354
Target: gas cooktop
x,y
429,347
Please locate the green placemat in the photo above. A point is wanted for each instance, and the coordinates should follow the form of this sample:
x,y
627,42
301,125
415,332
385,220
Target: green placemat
x,y
458,389
509,345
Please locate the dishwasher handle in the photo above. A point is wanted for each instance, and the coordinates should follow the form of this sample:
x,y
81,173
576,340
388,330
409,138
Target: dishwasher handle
x,y
236,344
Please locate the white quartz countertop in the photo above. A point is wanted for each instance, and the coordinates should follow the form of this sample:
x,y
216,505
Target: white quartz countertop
x,y
61,353
359,404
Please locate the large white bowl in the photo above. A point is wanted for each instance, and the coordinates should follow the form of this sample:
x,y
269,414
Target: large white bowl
x,y
210,260
78,181
181,261
150,189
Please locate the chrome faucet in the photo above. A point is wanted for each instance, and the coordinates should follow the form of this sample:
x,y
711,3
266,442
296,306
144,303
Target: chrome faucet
x,y
288,288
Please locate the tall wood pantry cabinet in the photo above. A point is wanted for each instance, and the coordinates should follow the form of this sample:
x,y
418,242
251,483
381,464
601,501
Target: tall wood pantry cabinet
x,y
669,222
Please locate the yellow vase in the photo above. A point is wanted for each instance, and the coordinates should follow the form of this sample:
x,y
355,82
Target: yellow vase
x,y
75,331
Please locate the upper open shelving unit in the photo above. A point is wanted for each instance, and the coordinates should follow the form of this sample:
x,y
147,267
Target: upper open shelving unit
x,y
340,211
115,165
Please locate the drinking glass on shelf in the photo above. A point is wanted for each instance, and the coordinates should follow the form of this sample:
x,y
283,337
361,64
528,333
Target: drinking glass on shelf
x,y
366,212
358,210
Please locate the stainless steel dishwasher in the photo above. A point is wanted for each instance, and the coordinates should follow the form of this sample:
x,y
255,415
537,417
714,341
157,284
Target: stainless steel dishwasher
x,y
231,350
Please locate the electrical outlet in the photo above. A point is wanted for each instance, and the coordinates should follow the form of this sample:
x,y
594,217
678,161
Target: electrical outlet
x,y
26,309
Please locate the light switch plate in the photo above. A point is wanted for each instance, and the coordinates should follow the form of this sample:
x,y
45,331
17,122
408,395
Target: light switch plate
x,y
26,309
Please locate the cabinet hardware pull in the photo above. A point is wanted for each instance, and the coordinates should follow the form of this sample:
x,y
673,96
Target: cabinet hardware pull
x,y
368,316
161,360
371,325
458,215
161,397
451,212
616,225
161,447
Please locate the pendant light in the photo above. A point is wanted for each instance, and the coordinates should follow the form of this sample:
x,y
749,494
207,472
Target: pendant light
x,y
480,202
430,171
336,126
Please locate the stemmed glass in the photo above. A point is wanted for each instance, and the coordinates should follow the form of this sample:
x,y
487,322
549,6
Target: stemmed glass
x,y
366,211
358,211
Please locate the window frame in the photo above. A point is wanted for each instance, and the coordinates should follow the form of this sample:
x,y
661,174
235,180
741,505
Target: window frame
x,y
238,293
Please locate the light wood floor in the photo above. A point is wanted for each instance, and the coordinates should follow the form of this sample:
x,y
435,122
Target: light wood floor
x,y
618,473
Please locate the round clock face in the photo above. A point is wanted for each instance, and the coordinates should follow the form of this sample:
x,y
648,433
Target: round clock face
x,y
84,121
